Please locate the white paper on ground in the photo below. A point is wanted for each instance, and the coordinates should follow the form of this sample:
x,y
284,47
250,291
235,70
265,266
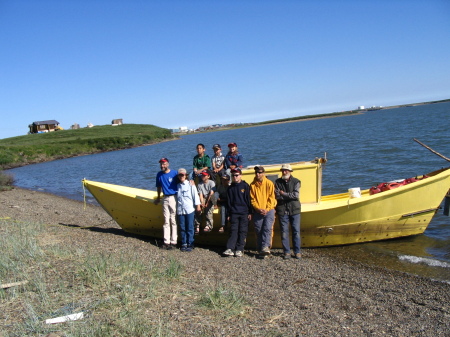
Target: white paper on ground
x,y
62,319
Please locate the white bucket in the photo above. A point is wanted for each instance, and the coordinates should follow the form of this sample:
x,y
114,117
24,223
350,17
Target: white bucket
x,y
354,192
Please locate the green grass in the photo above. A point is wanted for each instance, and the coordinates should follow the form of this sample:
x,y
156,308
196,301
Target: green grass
x,y
34,148
122,292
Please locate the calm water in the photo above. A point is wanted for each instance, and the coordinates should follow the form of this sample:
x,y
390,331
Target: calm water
x,y
362,150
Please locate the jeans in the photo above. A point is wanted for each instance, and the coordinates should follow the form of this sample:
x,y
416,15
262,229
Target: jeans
x,y
264,228
186,229
223,215
292,221
238,231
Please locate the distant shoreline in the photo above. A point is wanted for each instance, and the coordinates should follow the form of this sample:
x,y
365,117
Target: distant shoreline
x,y
314,117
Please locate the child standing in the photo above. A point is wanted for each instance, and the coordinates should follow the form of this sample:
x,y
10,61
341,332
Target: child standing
x,y
206,190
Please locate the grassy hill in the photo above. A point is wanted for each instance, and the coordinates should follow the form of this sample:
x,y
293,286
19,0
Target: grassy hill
x,y
35,148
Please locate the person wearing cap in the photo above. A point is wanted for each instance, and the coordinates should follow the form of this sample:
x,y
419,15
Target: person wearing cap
x,y
201,161
166,183
233,159
206,190
239,210
221,192
287,193
188,202
262,194
217,162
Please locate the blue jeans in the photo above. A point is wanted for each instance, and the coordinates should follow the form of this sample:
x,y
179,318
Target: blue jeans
x,y
292,221
187,229
223,215
263,228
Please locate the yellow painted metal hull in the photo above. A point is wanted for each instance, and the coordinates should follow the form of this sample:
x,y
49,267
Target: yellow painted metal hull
x,y
331,220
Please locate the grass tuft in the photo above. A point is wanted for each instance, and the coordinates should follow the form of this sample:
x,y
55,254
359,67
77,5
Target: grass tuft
x,y
223,300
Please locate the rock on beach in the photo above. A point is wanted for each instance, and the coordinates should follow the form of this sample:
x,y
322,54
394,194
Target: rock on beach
x,y
319,295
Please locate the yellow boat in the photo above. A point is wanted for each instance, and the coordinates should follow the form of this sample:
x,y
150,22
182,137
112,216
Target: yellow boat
x,y
337,219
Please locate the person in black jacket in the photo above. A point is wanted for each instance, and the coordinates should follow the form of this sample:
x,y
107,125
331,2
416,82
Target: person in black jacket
x,y
239,210
287,193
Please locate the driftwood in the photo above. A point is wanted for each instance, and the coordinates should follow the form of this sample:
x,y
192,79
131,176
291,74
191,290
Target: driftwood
x,y
14,284
428,148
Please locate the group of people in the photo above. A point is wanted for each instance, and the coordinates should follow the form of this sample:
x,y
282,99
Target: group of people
x,y
217,183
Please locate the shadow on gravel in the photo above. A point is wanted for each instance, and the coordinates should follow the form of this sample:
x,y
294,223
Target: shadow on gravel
x,y
159,243
116,231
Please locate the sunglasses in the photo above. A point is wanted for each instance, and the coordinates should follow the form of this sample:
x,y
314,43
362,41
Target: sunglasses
x,y
181,175
235,175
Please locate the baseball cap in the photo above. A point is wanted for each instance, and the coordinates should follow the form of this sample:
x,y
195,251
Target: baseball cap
x,y
259,168
236,170
216,146
232,144
163,159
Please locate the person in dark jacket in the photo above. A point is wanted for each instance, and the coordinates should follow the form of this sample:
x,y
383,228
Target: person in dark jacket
x,y
239,211
287,193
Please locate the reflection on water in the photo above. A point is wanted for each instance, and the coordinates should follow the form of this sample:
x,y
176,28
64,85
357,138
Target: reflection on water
x,y
363,150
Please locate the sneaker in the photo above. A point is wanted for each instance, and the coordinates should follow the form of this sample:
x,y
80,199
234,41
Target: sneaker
x,y
239,253
287,256
183,248
189,249
228,252
265,251
166,246
298,255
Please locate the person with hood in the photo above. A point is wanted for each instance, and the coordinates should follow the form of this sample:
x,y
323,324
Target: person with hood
x,y
262,195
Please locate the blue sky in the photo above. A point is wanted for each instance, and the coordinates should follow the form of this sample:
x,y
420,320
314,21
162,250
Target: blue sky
x,y
193,63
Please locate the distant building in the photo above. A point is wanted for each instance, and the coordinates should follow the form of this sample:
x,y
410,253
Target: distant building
x,y
181,129
44,126
117,121
90,125
75,126
361,107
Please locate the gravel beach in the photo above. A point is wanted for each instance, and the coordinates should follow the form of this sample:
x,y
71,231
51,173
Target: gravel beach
x,y
319,295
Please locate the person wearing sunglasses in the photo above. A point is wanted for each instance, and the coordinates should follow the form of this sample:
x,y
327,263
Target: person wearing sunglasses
x,y
239,213
262,194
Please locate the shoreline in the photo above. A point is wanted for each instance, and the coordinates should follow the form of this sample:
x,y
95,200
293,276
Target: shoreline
x,y
318,295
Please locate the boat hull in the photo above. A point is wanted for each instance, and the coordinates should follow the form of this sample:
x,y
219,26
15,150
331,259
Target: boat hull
x,y
333,220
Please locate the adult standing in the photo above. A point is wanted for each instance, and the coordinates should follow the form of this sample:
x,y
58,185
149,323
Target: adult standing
x,y
262,194
188,202
287,193
166,183
239,213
